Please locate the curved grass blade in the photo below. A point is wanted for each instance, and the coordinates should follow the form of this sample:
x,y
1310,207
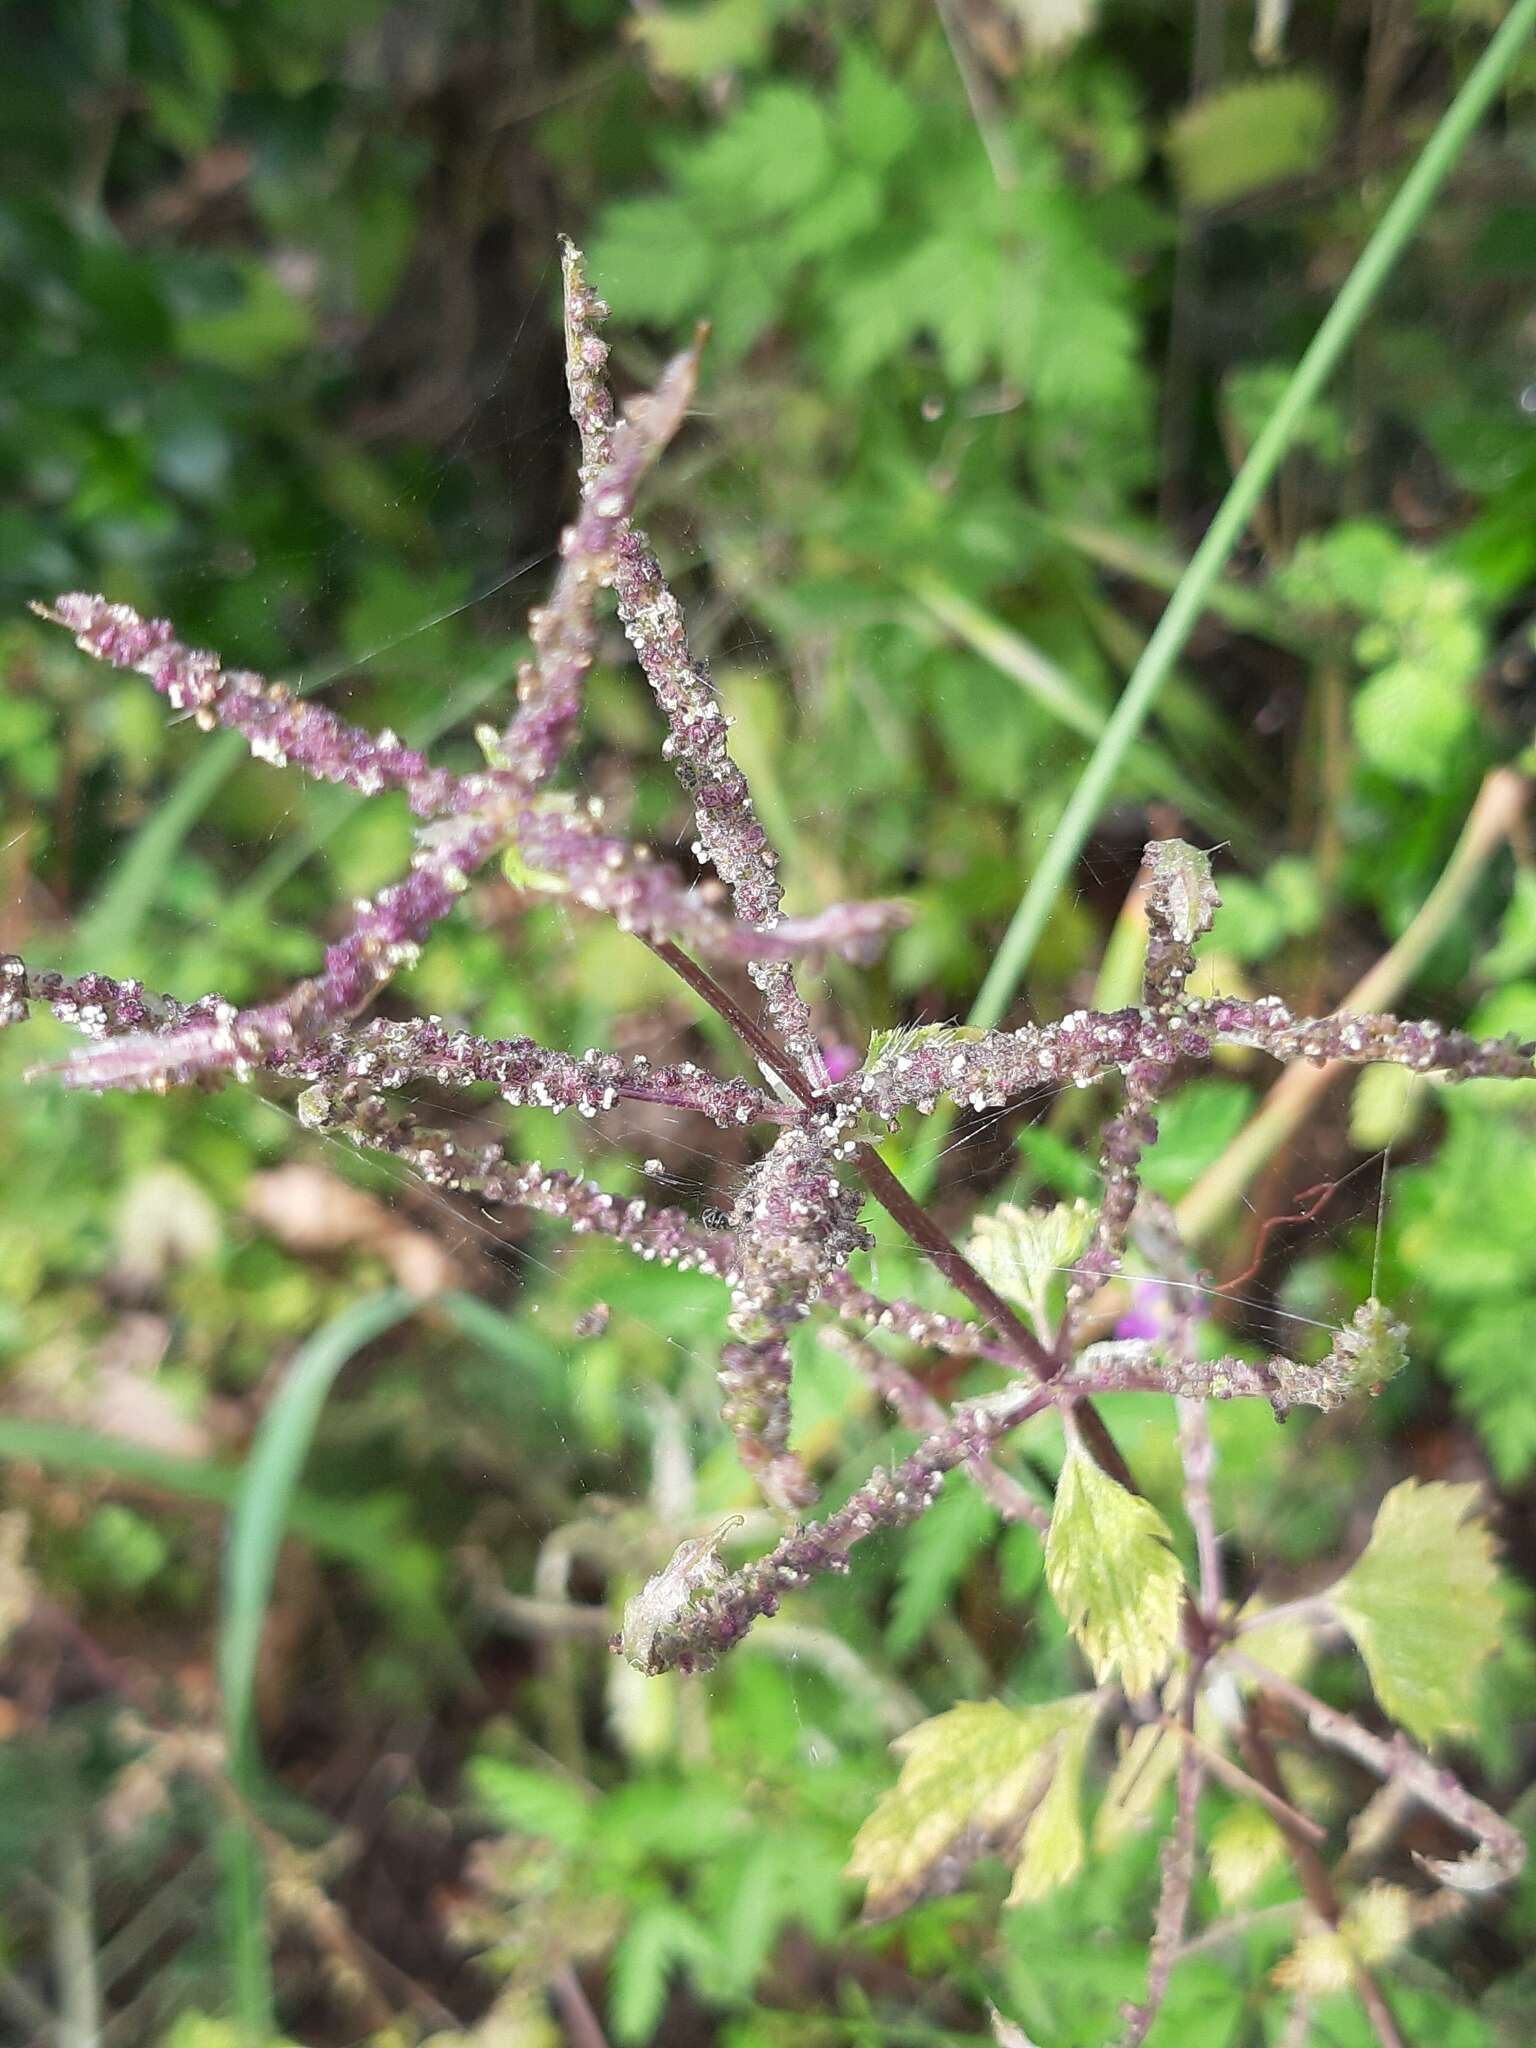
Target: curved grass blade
x,y
261,1505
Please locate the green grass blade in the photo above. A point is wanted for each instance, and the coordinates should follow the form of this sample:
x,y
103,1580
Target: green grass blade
x,y
334,1528
1356,297
106,933
261,1506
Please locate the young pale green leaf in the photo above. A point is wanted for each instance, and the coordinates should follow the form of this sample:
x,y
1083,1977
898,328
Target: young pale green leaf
x,y
970,1779
1112,1573
1245,1847
1180,878
887,1047
1054,1846
705,42
1021,1252
1373,1927
1422,1603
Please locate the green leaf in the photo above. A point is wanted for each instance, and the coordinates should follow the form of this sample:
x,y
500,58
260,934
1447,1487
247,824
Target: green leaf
x,y
652,260
1111,1571
1194,1128
533,1802
1489,1363
1245,136
261,329
694,43
1054,1845
959,1526
969,1779
1245,1846
1422,1603
876,119
765,161
1024,1252
661,1936
1407,717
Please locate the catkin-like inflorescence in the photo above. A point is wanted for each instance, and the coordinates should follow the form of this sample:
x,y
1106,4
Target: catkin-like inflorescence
x,y
1003,1067
564,631
731,836
667,1236
387,934
391,1055
277,726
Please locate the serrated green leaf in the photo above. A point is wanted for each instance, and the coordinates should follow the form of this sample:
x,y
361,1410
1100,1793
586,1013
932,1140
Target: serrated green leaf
x,y
1024,1252
1422,1603
969,1780
1489,1361
1054,1846
532,1801
1113,1574
764,161
1245,1846
652,260
661,1936
876,118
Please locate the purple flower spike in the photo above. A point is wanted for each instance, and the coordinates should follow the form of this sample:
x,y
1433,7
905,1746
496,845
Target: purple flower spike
x,y
277,726
730,835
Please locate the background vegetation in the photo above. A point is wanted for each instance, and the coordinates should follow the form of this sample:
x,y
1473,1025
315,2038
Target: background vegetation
x,y
1000,293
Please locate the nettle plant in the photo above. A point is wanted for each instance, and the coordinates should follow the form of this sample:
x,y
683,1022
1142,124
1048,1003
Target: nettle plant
x,y
1187,1684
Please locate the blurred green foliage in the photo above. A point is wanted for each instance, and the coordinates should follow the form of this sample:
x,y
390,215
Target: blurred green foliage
x,y
991,325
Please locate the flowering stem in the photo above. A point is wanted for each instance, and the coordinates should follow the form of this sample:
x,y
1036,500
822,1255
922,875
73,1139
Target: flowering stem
x,y
727,1008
